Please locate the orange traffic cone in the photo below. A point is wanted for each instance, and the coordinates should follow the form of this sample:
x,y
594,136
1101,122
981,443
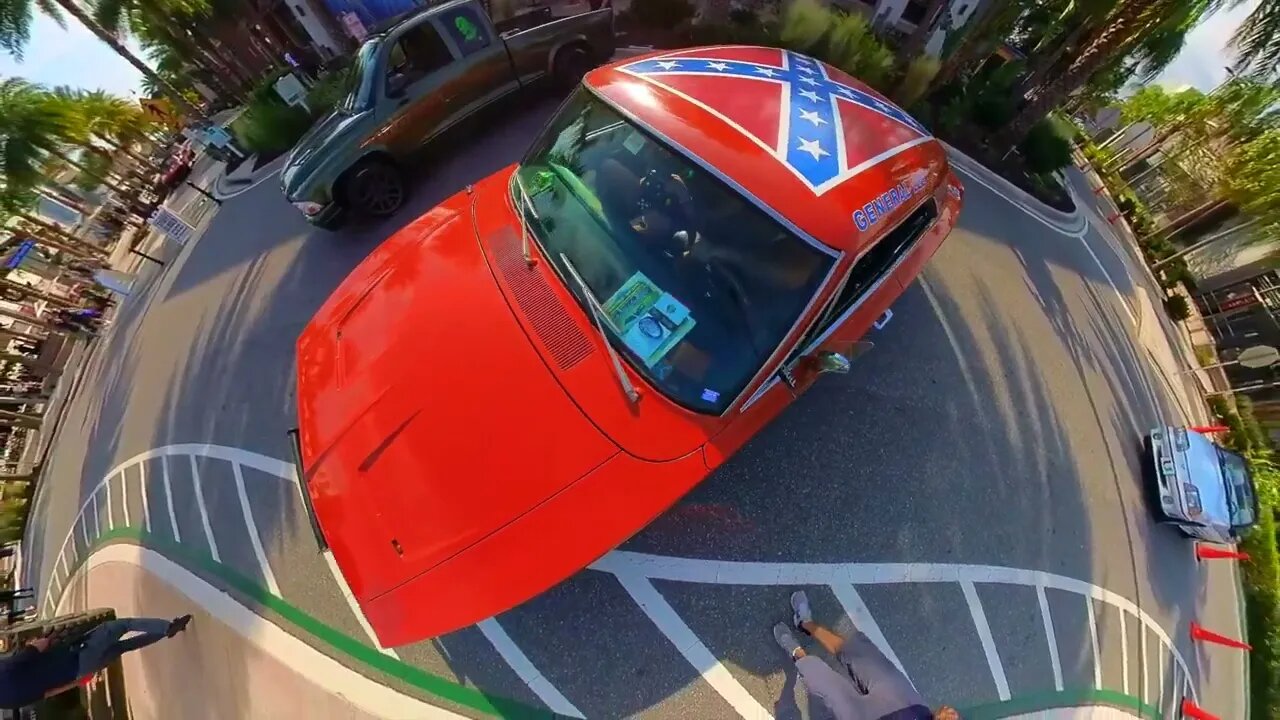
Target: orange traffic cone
x,y
1191,710
1205,551
1113,217
1206,429
1200,634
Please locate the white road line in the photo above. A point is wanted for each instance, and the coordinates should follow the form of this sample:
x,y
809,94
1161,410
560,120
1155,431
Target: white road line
x,y
732,572
1160,700
62,559
252,526
204,512
523,666
142,491
124,497
111,521
1093,641
84,532
365,694
669,623
1142,653
355,606
97,529
1051,637
984,635
858,612
973,175
168,499
1124,655
1115,288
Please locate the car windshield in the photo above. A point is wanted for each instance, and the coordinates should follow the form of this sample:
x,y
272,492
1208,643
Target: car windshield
x,y
357,80
698,286
1239,487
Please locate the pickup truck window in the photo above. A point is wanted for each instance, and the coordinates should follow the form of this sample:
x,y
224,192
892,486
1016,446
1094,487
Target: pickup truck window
x,y
468,31
417,53
698,285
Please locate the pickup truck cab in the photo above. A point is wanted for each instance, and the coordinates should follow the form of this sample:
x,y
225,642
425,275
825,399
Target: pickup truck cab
x,y
408,84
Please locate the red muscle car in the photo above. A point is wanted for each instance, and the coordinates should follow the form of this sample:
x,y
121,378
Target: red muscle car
x,y
525,376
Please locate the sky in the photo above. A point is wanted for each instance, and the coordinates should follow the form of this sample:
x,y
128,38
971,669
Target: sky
x,y
1204,59
75,57
72,57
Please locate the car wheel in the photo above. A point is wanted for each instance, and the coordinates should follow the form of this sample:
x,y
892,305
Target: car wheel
x,y
571,64
376,188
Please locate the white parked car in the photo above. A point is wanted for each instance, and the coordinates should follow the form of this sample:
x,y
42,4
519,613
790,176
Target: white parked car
x,y
1204,489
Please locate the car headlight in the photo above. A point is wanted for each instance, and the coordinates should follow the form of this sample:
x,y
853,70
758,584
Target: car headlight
x,y
308,208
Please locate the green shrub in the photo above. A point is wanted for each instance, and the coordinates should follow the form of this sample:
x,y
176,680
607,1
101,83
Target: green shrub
x,y
837,38
915,82
661,13
1044,150
1261,577
269,125
329,91
1178,308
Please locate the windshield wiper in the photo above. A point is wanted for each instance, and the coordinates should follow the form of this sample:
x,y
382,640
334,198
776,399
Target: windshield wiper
x,y
524,221
597,312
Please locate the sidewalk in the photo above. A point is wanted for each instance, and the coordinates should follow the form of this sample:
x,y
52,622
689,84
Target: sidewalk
x,y
1169,344
231,662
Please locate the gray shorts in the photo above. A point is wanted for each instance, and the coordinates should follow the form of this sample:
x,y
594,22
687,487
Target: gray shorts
x,y
865,687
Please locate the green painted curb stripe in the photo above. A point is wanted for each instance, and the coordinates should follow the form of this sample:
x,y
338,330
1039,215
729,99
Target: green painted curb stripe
x,y
331,637
1034,702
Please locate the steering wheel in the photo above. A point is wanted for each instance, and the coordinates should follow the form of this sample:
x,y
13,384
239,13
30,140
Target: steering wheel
x,y
666,196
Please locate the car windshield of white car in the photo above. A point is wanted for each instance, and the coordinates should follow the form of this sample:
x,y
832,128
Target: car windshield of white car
x,y
698,285
1239,492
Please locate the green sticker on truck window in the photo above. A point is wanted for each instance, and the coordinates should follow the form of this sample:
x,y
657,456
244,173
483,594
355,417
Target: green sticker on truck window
x,y
650,320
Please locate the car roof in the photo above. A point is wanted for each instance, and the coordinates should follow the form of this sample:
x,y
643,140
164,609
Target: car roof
x,y
821,151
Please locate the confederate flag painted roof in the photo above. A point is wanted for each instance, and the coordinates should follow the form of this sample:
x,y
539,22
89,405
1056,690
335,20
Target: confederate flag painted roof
x,y
805,138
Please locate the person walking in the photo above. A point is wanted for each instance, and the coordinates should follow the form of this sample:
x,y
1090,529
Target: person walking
x,y
42,669
869,686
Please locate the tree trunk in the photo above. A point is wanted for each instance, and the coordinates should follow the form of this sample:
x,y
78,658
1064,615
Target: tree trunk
x,y
919,37
22,420
1047,61
124,148
84,169
5,312
75,11
31,292
77,245
1119,35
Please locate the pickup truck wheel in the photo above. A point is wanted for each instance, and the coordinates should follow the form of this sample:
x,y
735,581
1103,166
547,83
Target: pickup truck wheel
x,y
375,187
571,64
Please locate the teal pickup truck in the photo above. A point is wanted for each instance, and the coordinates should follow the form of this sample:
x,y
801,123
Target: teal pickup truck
x,y
411,82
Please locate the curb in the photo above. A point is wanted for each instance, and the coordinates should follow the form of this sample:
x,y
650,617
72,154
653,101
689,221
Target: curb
x,y
1047,213
225,188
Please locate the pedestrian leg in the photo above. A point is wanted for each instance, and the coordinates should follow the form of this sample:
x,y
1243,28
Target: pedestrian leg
x,y
103,644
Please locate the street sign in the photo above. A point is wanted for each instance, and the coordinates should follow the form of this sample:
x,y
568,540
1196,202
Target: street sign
x,y
170,225
290,89
1258,356
24,249
352,23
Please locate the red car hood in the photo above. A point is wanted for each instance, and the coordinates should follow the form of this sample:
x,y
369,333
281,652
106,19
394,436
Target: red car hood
x,y
427,420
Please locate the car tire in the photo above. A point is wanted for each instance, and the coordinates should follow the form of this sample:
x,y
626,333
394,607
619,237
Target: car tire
x,y
375,188
571,64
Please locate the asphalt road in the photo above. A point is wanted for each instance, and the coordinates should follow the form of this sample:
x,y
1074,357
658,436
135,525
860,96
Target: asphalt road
x,y
996,422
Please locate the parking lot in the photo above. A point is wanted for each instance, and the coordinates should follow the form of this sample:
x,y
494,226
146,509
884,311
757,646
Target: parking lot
x,y
969,496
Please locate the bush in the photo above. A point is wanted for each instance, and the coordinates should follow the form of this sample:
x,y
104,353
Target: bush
x,y
837,38
1178,308
661,13
915,82
1262,612
329,91
269,125
1044,150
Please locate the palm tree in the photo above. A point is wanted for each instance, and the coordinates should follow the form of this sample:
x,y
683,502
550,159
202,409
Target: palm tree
x,y
15,32
1121,31
1257,40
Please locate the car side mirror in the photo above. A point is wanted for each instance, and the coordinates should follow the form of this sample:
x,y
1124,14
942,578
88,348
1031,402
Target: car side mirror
x,y
396,85
839,361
